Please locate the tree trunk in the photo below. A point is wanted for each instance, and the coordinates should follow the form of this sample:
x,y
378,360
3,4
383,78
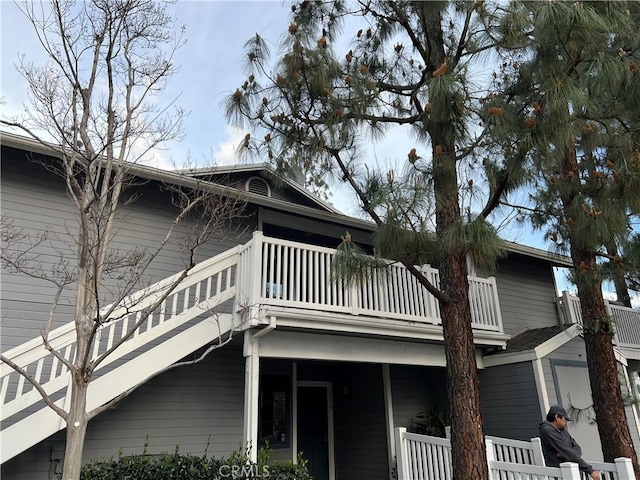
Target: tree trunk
x,y
468,452
604,376
76,428
604,379
469,456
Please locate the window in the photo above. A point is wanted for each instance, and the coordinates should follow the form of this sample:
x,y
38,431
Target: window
x,y
274,425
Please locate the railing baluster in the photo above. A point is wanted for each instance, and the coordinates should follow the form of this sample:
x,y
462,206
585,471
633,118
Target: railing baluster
x,y
323,275
20,387
54,368
285,273
5,387
38,375
186,298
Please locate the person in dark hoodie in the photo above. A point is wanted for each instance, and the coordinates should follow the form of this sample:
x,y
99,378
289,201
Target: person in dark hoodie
x,y
558,446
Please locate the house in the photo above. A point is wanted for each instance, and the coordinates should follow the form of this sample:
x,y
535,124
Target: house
x,y
308,364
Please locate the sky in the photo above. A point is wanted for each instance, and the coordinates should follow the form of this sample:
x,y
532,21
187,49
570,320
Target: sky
x,y
211,68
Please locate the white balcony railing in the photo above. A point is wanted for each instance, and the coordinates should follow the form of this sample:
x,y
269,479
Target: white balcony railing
x,y
289,274
627,320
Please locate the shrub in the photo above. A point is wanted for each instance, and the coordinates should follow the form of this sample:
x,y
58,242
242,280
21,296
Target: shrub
x,y
178,466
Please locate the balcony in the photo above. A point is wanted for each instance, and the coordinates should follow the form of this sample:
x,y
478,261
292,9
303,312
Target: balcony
x,y
627,320
288,275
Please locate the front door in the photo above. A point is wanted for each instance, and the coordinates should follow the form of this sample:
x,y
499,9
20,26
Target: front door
x,y
314,435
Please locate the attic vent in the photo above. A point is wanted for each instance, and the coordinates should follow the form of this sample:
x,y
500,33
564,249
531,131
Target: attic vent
x,y
258,186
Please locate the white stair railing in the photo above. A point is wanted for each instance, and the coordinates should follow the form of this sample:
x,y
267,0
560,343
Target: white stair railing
x,y
207,284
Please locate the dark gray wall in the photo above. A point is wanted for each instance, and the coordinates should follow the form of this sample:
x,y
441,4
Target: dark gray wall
x,y
187,407
527,293
509,399
416,389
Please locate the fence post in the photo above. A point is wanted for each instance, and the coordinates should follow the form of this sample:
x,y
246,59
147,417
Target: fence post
x,y
402,460
490,455
570,471
255,285
624,467
536,447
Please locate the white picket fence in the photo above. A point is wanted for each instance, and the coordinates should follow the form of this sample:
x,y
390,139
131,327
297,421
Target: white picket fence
x,y
422,457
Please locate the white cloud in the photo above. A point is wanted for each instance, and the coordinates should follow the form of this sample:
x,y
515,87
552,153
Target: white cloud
x,y
225,153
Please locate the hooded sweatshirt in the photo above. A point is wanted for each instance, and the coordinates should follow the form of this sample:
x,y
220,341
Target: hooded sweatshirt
x,y
558,447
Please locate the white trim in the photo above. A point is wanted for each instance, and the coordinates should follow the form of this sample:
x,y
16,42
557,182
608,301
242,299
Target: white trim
x,y
299,345
541,386
362,324
557,341
509,358
251,394
294,412
620,357
388,414
330,433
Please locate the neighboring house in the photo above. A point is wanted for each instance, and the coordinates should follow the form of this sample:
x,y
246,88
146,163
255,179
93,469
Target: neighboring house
x,y
313,366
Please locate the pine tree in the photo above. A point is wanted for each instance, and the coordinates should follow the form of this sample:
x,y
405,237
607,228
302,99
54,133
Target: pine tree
x,y
584,87
408,65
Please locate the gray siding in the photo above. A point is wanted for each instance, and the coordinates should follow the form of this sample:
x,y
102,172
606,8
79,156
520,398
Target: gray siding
x,y
188,407
527,293
509,399
36,201
416,389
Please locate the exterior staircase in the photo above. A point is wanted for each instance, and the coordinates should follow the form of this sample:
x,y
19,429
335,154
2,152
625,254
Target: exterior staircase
x,y
186,321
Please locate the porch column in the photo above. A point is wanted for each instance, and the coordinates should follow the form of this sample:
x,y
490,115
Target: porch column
x,y
251,385
388,412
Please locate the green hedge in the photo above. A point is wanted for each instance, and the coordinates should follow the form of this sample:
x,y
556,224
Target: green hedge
x,y
177,466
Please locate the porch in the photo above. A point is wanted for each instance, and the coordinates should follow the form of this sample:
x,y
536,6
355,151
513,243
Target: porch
x,y
340,415
627,322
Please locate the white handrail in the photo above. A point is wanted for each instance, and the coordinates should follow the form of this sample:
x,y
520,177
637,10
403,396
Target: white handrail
x,y
206,284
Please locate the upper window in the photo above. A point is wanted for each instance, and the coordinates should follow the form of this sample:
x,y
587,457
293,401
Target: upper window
x,y
258,186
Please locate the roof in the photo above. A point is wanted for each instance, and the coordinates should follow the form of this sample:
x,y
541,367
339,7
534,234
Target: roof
x,y
263,169
532,338
328,214
555,258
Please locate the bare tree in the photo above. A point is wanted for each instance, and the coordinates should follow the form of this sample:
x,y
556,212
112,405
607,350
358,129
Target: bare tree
x,y
93,106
